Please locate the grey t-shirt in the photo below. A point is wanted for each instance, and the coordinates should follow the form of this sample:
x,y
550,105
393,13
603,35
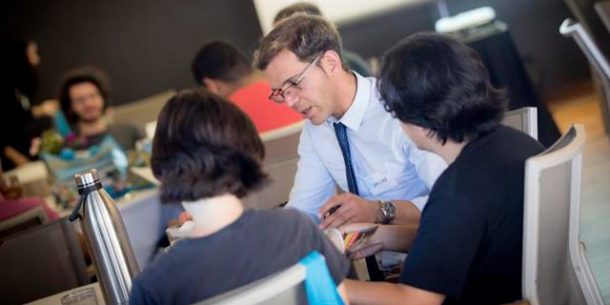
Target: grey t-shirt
x,y
258,244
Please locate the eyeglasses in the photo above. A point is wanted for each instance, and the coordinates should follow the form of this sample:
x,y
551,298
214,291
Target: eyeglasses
x,y
280,95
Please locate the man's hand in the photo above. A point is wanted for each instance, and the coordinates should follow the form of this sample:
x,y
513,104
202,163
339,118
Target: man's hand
x,y
182,218
47,108
373,245
352,209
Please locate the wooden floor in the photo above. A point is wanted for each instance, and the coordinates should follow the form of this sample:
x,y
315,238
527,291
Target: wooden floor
x,y
582,107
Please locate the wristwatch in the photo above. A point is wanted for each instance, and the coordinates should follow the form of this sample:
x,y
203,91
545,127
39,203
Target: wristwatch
x,y
387,212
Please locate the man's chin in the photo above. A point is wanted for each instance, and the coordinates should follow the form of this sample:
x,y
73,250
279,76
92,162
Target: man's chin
x,y
316,121
89,120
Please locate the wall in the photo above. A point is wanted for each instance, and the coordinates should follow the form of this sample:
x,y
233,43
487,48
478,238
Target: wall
x,y
552,60
144,46
335,10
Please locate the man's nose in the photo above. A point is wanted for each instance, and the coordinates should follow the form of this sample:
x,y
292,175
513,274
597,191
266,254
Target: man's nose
x,y
292,101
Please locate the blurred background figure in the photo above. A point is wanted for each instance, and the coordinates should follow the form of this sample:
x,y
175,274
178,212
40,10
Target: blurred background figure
x,y
84,96
223,70
12,204
353,60
21,119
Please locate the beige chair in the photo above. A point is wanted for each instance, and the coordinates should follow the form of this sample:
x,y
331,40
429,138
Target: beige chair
x,y
555,268
139,113
22,221
283,288
524,119
40,262
598,61
281,160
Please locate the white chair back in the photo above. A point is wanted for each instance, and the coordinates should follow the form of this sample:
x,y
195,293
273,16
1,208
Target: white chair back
x,y
555,269
283,288
524,119
281,160
597,59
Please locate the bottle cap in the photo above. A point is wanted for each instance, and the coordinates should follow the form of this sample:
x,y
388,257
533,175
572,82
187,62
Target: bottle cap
x,y
86,178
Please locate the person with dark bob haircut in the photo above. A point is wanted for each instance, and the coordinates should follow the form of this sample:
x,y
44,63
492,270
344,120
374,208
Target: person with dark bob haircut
x,y
207,155
468,246
459,104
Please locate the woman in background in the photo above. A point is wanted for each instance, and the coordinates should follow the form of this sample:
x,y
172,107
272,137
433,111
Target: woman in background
x,y
20,119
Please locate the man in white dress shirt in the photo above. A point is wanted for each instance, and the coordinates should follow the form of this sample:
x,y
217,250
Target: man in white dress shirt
x,y
385,178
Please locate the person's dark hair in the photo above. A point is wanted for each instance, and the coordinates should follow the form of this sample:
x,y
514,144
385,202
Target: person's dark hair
x,y
204,146
78,76
304,35
19,73
220,60
436,82
299,7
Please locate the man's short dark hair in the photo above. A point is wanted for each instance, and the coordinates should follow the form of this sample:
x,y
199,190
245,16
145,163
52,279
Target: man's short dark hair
x,y
204,146
299,7
436,82
304,35
220,60
78,76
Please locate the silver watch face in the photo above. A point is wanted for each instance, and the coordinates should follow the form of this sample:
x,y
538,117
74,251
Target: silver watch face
x,y
389,211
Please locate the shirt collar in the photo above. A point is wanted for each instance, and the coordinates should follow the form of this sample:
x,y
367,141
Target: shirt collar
x,y
355,113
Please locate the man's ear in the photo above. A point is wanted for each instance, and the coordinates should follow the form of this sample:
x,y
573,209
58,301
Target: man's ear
x,y
212,85
332,61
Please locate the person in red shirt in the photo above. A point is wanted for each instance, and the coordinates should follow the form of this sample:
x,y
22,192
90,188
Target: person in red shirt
x,y
225,71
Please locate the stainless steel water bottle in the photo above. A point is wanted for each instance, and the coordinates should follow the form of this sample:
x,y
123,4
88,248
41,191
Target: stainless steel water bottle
x,y
105,235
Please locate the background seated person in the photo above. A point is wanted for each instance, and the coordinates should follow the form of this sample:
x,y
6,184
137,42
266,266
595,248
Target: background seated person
x,y
349,140
223,70
207,155
84,96
469,244
11,203
22,118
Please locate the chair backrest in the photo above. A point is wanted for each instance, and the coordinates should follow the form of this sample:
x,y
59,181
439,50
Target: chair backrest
x,y
22,221
281,160
555,270
597,59
140,112
524,119
283,288
149,129
588,47
41,261
142,216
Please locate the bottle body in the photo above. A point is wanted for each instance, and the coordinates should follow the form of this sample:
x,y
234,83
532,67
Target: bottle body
x,y
108,243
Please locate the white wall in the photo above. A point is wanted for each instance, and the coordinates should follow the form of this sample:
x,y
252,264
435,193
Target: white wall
x,y
335,10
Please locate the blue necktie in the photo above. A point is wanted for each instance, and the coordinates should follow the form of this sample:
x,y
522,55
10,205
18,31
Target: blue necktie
x,y
341,133
374,273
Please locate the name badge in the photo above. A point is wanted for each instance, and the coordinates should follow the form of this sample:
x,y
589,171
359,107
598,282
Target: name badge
x,y
379,182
